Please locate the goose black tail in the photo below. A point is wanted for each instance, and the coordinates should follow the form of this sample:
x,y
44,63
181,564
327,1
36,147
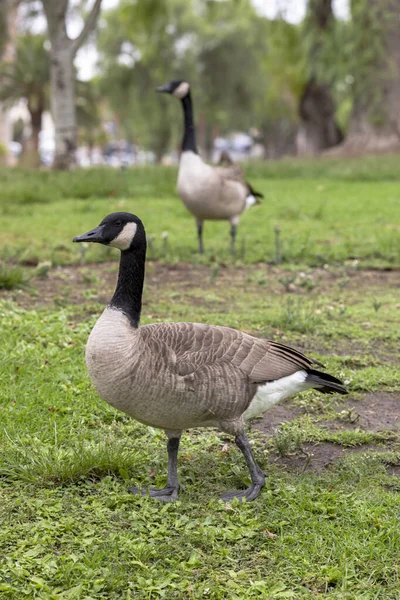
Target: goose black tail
x,y
253,191
325,383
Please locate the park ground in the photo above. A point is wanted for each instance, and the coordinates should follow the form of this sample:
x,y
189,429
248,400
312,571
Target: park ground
x,y
317,267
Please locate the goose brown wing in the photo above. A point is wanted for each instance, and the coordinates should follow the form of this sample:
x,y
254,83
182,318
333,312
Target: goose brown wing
x,y
232,173
192,345
235,173
195,345
268,361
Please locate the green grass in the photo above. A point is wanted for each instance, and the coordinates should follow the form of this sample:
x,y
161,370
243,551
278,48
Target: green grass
x,y
69,530
328,212
12,277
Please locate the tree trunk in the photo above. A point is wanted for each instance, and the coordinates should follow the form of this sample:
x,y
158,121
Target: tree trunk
x,y
279,138
375,120
30,157
36,124
7,52
63,104
62,75
90,146
319,129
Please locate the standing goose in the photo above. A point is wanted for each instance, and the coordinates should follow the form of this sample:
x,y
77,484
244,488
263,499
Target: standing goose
x,y
209,193
175,376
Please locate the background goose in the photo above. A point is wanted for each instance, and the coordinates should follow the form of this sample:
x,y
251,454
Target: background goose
x,y
181,375
209,193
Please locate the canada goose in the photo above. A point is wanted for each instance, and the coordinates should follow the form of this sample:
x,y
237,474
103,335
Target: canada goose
x,y
175,376
209,193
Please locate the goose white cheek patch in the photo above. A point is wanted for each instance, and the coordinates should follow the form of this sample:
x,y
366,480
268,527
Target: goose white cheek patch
x,y
125,237
181,90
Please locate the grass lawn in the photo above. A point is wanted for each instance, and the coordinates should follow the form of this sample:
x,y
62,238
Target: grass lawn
x,y
327,524
326,213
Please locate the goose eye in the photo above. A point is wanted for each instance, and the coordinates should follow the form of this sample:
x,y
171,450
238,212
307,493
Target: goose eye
x,y
118,223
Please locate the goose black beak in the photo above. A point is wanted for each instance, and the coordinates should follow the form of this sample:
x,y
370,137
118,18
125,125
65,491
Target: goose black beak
x,y
94,235
164,88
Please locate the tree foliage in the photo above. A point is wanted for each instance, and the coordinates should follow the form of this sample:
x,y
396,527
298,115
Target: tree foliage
x,y
28,77
375,62
231,47
139,45
246,71
217,46
3,25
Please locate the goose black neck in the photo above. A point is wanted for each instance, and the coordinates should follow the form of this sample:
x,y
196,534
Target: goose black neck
x,y
189,136
128,293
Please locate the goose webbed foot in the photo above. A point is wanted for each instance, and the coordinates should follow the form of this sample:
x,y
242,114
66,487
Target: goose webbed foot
x,y
257,475
170,492
250,494
167,494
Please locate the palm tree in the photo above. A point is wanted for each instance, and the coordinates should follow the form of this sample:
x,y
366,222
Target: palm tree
x,y
28,77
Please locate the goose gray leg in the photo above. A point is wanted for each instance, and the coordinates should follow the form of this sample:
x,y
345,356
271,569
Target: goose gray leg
x,y
233,237
234,221
199,225
256,474
170,492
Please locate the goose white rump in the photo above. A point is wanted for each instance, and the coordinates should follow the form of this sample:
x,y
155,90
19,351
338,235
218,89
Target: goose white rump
x,y
272,392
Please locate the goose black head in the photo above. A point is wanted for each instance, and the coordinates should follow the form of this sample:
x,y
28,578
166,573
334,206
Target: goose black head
x,y
120,230
177,87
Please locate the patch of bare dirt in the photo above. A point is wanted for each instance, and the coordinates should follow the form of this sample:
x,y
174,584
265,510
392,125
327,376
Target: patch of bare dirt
x,y
377,411
72,282
319,456
393,470
279,414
